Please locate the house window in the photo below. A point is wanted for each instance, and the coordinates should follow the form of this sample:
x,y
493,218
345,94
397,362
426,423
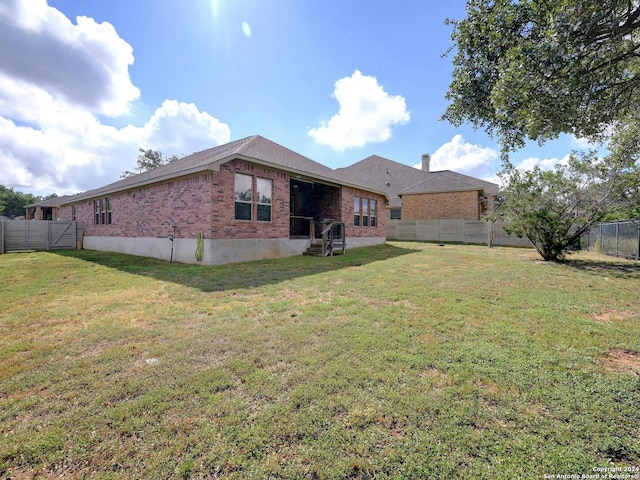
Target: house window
x,y
372,213
102,211
73,213
263,200
396,213
243,196
365,212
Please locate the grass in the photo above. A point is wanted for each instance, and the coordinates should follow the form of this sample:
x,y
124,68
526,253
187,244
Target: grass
x,y
400,361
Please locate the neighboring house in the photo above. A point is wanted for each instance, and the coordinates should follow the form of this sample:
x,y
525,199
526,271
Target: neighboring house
x,y
45,210
248,199
422,194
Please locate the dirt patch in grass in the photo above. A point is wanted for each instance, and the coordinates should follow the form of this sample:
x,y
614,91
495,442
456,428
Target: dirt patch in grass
x,y
622,361
607,316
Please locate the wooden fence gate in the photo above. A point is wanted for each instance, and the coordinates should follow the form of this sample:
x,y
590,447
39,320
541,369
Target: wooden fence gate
x,y
16,235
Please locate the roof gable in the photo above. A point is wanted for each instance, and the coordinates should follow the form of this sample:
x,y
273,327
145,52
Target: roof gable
x,y
255,149
386,175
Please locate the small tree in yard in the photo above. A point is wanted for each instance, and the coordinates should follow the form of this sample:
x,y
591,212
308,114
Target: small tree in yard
x,y
554,208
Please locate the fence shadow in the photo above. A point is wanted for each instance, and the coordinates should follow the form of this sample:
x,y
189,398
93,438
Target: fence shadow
x,y
238,275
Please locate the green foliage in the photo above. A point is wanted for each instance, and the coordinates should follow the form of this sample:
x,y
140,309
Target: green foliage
x,y
148,160
533,69
12,203
554,208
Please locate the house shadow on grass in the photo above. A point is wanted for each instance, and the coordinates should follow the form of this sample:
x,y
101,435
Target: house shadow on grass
x,y
237,275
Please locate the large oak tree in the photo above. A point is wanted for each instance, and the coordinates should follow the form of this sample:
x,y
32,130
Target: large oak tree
x,y
534,69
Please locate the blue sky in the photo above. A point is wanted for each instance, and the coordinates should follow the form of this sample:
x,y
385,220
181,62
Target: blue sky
x,y
85,83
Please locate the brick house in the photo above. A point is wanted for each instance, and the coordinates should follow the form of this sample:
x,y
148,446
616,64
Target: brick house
x,y
248,199
422,194
45,210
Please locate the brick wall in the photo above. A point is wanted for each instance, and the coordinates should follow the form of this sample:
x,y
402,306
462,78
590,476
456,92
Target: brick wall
x,y
441,206
328,202
224,224
347,214
196,203
153,210
205,202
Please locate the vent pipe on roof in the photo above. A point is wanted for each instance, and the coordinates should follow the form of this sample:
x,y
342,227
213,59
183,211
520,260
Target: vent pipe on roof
x,y
426,159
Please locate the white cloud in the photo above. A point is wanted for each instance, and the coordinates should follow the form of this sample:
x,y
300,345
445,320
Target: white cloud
x,y
84,63
51,137
181,127
50,159
530,163
366,114
544,163
463,157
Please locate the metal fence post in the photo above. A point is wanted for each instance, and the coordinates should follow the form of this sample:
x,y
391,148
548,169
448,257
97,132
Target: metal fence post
x,y
601,240
638,245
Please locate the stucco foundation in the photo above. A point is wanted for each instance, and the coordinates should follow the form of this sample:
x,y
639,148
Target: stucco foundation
x,y
215,252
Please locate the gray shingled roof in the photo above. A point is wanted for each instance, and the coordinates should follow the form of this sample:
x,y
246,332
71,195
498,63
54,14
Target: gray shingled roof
x,y
256,149
386,175
448,181
51,202
439,183
396,179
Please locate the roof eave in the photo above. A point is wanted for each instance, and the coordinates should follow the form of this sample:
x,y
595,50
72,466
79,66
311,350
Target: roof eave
x,y
163,178
215,167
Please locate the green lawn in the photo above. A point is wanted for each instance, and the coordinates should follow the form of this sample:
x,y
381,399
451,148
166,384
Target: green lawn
x,y
401,361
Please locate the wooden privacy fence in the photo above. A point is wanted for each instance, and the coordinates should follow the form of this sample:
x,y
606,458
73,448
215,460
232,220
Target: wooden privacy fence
x,y
16,235
462,231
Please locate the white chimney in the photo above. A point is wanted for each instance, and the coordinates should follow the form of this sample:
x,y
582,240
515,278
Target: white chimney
x,y
425,162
